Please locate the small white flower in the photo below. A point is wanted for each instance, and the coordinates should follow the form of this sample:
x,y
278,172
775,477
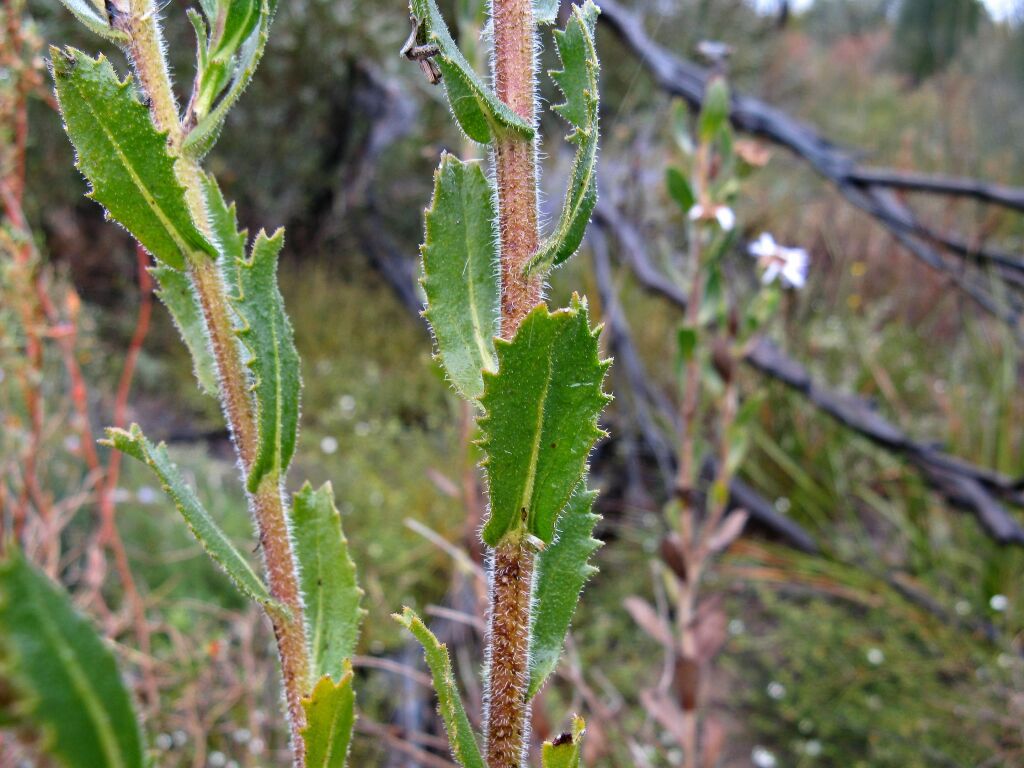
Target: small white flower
x,y
779,262
347,403
242,735
329,445
999,603
962,607
256,746
72,443
776,690
763,758
180,738
737,627
164,741
812,748
875,656
147,495
723,214
217,759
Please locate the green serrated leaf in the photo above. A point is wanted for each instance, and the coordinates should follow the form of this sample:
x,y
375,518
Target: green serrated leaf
x,y
201,138
64,678
545,12
175,291
540,421
216,543
273,359
327,580
230,240
330,715
125,158
460,273
461,738
564,752
477,108
93,18
578,82
562,570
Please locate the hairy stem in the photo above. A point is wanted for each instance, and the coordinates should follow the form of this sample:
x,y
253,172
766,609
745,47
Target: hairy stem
x,y
507,726
515,161
508,654
267,504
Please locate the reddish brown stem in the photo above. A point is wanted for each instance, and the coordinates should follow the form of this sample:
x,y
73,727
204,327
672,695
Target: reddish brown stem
x,y
507,724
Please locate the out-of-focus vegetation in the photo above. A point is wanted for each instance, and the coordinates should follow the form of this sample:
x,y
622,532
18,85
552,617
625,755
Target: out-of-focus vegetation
x,y
898,645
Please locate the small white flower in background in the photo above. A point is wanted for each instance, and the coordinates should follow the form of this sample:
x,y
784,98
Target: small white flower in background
x,y
763,758
147,495
999,603
164,741
875,656
812,748
72,443
180,737
776,690
962,607
217,760
723,214
779,262
347,403
737,627
329,445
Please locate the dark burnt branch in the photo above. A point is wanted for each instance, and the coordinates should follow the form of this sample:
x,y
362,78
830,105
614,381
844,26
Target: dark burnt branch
x,y
976,489
871,190
954,186
650,406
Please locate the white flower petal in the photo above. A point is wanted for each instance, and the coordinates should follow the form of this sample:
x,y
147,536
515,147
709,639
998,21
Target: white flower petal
x,y
726,218
697,212
764,247
771,272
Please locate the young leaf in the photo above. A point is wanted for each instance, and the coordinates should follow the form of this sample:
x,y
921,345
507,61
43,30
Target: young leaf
x,y
461,738
176,292
201,138
715,114
327,580
460,273
95,20
216,543
578,82
330,715
564,751
562,570
63,677
680,190
478,110
274,361
229,239
541,420
125,158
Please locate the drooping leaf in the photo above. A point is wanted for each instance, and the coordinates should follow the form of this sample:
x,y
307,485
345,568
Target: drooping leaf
x,y
477,108
564,751
562,570
273,359
64,679
327,580
461,738
330,715
125,158
216,543
578,82
175,291
203,135
94,19
540,421
460,273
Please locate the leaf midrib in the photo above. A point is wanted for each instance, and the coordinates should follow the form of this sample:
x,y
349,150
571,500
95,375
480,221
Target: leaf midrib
x,y
148,195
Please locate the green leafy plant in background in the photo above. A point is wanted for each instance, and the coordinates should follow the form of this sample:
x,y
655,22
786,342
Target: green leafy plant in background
x,y
716,425
142,157
535,376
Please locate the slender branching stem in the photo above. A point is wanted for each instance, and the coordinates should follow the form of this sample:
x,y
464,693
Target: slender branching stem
x,y
267,503
507,728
